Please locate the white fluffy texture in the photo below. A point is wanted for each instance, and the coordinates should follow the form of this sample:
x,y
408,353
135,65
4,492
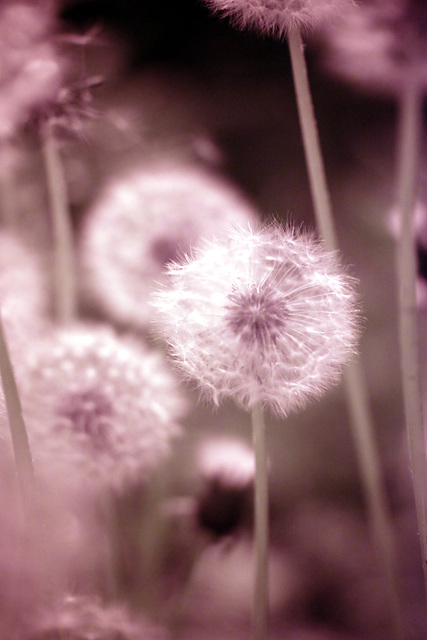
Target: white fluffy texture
x,y
100,405
277,17
30,73
373,44
264,316
89,619
146,219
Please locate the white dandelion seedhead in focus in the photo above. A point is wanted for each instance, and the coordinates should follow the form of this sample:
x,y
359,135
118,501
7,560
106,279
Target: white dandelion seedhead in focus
x,y
99,404
263,315
87,618
277,17
145,220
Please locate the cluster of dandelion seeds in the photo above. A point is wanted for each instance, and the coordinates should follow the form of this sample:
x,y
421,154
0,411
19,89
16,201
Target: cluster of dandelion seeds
x,y
99,403
31,70
261,315
277,17
146,219
375,44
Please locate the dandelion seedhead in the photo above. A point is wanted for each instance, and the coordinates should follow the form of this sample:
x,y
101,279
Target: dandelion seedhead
x,y
375,43
83,618
263,316
106,406
231,461
31,70
143,222
277,17
67,112
228,471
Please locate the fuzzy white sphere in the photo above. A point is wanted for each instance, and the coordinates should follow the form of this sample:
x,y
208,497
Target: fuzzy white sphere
x,y
262,316
99,404
145,220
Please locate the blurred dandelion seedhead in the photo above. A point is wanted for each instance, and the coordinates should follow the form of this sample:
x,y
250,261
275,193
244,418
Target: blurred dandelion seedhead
x,y
106,406
228,470
83,618
31,71
146,220
376,44
265,315
231,461
277,17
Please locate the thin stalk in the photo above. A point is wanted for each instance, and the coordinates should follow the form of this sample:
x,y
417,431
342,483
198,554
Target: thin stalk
x,y
373,487
261,533
361,421
410,129
7,200
64,263
20,443
310,137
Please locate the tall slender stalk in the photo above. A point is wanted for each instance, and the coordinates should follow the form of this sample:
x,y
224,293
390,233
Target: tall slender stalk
x,y
261,504
20,444
408,153
357,400
64,263
7,200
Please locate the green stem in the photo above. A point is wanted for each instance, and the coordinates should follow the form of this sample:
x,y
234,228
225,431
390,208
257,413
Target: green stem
x,y
261,509
410,125
357,399
20,443
64,264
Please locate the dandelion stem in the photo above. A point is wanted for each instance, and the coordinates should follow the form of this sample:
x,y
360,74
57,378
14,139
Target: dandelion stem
x,y
373,487
408,148
20,443
260,610
310,135
64,266
7,201
357,398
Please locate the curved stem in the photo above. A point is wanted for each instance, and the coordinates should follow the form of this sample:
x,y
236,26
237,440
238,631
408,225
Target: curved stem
x,y
64,265
260,621
410,128
357,400
20,443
